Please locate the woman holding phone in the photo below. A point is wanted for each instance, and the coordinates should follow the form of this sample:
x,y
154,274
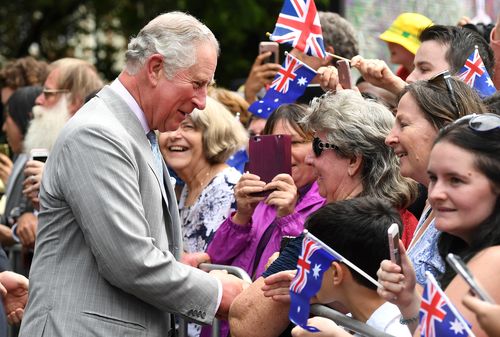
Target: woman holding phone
x,y
464,188
249,237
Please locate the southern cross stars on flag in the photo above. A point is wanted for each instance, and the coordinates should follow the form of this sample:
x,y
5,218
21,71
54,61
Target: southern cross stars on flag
x,y
474,73
288,85
298,24
438,316
312,263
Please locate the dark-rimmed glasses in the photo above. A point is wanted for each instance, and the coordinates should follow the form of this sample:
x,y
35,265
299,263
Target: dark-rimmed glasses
x,y
481,122
48,93
319,146
445,75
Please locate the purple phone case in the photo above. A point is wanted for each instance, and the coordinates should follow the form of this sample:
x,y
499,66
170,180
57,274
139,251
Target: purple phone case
x,y
269,156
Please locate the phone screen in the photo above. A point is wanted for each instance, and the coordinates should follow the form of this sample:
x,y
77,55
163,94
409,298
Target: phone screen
x,y
393,235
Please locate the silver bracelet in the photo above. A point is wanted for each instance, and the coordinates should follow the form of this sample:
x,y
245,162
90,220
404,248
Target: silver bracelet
x,y
408,321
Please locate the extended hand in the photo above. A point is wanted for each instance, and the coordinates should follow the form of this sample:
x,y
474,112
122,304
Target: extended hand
x,y
14,290
259,76
231,287
277,285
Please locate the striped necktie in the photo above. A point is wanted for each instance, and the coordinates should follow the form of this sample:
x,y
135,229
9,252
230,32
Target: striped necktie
x,y
156,154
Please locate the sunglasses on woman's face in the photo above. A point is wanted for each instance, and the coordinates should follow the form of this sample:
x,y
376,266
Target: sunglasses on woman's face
x,y
319,146
482,122
446,77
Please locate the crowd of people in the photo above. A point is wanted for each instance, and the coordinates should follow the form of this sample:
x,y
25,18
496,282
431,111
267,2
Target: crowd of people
x,y
147,178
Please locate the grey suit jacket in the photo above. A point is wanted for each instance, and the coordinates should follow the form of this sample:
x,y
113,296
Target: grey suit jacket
x,y
103,264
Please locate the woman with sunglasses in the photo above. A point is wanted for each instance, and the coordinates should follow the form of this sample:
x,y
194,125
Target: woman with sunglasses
x,y
351,160
424,107
464,188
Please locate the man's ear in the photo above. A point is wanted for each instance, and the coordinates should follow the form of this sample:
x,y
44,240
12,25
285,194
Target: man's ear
x,y
74,104
355,163
338,273
154,66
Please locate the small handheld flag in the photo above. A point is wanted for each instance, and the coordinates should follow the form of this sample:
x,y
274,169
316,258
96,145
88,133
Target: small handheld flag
x,y
474,73
288,85
298,25
315,259
438,316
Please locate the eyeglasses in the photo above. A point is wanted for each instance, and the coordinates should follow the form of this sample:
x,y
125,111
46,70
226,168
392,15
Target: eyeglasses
x,y
319,146
48,93
481,122
445,75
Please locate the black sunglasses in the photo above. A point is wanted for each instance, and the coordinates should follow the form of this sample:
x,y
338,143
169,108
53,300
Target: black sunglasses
x,y
445,75
319,146
481,122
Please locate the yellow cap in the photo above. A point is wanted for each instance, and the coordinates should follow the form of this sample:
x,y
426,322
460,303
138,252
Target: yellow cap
x,y
406,29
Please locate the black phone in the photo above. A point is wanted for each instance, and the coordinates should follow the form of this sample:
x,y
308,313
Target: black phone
x,y
269,155
271,46
344,70
393,236
461,269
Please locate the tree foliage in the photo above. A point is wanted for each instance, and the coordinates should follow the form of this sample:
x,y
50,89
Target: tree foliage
x,y
98,29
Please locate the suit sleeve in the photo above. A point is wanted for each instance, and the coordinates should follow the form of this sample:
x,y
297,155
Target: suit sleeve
x,y
105,198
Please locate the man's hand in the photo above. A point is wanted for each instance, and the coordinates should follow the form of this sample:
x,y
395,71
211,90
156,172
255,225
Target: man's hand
x,y
14,291
231,287
27,225
195,259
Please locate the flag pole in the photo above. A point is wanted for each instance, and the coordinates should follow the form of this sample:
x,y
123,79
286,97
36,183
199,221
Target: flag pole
x,y
338,57
342,259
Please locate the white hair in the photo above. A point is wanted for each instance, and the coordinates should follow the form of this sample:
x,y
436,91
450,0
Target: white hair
x,y
174,35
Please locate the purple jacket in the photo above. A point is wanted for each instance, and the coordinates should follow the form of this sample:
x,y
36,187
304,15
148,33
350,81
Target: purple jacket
x,y
236,245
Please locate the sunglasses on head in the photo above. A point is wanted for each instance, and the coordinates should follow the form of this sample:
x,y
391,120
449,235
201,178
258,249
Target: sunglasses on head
x,y
319,146
481,122
446,77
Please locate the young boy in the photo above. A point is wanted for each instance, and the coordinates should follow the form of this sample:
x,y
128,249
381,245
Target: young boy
x,y
357,230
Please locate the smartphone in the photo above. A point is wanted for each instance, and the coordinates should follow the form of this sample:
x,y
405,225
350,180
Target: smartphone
x,y
344,70
4,148
393,235
271,46
459,266
269,155
39,154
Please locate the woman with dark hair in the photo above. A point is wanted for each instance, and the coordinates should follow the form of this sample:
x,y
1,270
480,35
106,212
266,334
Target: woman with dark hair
x,y
424,107
18,114
249,237
464,188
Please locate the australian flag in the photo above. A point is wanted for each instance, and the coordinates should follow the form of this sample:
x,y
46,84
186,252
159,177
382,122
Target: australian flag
x,y
474,73
438,316
298,24
288,85
312,263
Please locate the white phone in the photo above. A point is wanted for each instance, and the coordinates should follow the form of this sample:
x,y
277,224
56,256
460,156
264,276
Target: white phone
x,y
459,266
39,154
393,235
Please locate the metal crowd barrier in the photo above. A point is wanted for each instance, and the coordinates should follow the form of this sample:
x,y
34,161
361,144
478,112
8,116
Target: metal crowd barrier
x,y
346,321
236,271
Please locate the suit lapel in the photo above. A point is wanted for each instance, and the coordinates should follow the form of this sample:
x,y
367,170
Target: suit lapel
x,y
130,122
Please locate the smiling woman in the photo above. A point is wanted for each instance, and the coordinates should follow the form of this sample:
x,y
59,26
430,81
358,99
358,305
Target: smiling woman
x,y
197,152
